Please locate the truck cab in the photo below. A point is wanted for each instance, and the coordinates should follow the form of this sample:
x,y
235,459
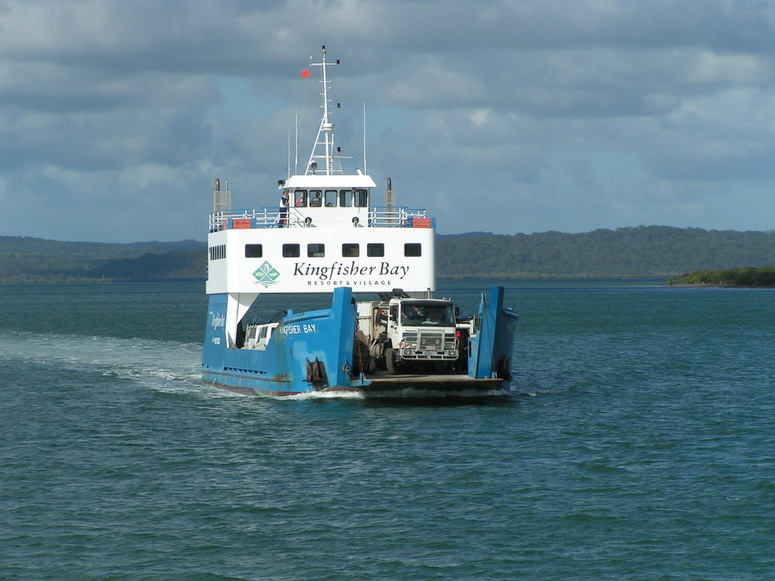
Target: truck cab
x,y
410,334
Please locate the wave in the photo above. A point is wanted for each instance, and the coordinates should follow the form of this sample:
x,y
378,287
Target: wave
x,y
409,395
168,366
153,361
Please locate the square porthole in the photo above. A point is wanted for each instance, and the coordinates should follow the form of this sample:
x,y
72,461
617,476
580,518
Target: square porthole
x,y
412,249
316,250
375,249
291,251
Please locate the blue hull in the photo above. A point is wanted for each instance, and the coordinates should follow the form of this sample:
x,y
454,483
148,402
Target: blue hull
x,y
308,352
491,350
313,351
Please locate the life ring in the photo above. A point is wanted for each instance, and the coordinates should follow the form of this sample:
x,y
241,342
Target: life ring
x,y
307,221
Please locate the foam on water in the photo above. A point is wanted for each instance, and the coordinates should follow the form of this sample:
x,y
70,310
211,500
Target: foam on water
x,y
156,363
407,394
170,366
321,395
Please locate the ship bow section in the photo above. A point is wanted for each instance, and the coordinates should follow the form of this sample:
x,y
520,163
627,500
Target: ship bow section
x,y
493,345
306,352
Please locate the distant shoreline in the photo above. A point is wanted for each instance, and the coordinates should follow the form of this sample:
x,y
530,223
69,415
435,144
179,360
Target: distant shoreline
x,y
638,253
730,278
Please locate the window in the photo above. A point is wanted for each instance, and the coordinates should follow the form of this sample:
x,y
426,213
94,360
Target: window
x,y
300,197
361,198
345,198
376,249
351,250
412,249
291,251
315,199
414,313
316,250
254,251
217,252
330,198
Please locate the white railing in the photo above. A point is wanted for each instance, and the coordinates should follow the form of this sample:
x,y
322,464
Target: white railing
x,y
385,217
256,218
379,217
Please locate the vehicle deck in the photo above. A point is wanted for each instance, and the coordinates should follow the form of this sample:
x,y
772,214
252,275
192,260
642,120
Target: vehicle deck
x,y
450,382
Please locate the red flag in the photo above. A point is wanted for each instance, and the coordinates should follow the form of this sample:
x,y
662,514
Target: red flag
x,y
305,74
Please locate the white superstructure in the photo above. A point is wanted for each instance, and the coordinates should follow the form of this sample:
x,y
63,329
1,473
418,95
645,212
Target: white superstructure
x,y
331,233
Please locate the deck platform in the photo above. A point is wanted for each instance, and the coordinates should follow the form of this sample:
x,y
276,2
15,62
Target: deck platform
x,y
447,382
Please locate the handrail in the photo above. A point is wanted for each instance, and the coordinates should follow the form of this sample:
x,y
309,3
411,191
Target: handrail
x,y
394,217
270,217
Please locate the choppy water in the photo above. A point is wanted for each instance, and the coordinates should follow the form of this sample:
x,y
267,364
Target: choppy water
x,y
640,444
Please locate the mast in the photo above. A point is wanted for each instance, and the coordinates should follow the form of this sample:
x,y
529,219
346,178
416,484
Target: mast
x,y
324,152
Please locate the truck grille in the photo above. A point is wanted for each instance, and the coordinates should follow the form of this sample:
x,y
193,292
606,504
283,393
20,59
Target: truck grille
x,y
429,344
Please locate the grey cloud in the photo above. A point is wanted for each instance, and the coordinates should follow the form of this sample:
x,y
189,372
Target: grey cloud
x,y
493,94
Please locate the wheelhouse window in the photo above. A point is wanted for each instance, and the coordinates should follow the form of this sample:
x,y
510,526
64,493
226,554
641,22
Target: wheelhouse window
x,y
361,198
291,251
300,199
351,250
316,250
375,249
254,250
345,198
412,249
330,198
315,198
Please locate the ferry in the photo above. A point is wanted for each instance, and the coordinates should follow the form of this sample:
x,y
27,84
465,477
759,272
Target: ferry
x,y
380,329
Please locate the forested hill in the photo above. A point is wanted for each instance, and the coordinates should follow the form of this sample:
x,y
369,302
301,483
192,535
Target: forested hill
x,y
644,251
31,260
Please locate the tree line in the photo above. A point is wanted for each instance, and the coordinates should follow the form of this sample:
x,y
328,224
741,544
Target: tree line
x,y
743,277
643,251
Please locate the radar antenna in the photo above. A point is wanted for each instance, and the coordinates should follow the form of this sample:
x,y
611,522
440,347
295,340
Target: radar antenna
x,y
325,152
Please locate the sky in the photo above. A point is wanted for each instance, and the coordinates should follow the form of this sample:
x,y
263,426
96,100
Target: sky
x,y
503,116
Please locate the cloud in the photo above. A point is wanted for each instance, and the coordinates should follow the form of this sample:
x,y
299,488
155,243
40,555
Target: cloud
x,y
511,116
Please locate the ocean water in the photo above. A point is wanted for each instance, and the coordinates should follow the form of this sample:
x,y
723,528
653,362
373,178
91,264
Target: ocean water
x,y
639,443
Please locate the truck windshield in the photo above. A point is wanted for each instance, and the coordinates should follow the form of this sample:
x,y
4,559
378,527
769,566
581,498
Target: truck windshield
x,y
427,314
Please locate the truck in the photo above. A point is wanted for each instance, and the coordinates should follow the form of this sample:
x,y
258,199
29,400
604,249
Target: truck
x,y
401,334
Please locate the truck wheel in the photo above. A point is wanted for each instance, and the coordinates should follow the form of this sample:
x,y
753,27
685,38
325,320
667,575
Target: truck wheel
x,y
392,365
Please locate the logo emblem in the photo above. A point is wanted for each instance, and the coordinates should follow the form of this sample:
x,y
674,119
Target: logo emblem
x,y
266,274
